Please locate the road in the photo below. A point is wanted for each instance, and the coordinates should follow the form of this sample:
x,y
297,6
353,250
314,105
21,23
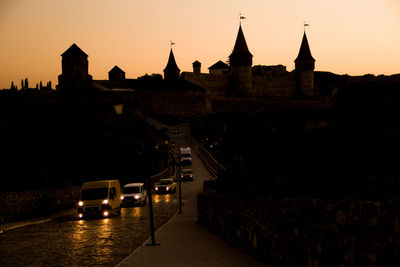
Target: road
x,y
105,242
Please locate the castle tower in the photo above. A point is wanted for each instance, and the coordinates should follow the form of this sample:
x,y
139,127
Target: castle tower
x,y
171,71
196,67
75,70
304,67
240,61
116,74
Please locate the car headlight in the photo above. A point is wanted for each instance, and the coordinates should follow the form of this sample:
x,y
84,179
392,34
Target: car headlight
x,y
156,188
105,201
167,188
136,196
80,203
122,197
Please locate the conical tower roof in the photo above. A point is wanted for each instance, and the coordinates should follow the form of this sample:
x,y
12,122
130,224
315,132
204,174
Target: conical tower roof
x,y
74,50
241,55
304,53
171,65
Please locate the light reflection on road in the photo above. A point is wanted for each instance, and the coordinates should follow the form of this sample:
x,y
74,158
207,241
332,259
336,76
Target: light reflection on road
x,y
100,237
161,198
131,212
92,242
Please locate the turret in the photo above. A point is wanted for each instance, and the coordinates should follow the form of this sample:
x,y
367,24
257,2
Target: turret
x,y
171,71
304,67
196,67
116,74
240,61
75,67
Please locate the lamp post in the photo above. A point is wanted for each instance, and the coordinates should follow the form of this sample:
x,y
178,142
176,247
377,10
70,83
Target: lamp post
x,y
180,187
151,215
174,132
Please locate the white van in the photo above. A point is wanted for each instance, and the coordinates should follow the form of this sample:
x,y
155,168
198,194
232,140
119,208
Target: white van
x,y
134,193
185,155
100,198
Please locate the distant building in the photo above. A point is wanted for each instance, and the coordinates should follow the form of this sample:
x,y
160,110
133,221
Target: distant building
x,y
75,76
241,79
116,74
171,71
227,86
219,68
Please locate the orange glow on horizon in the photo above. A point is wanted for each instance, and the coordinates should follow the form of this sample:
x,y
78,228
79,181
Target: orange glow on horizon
x,y
346,37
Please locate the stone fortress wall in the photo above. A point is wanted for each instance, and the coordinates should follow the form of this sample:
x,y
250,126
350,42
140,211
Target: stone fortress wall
x,y
307,232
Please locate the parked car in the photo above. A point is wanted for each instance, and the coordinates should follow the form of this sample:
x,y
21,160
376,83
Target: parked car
x,y
101,198
165,186
186,174
134,193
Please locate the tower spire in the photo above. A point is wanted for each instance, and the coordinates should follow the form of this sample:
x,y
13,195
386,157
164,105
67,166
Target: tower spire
x,y
304,66
171,71
240,55
304,58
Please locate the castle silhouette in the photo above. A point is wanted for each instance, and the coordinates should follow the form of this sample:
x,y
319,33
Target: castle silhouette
x,y
197,93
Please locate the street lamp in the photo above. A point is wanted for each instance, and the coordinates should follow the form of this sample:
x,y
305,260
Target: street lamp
x,y
178,164
151,215
180,187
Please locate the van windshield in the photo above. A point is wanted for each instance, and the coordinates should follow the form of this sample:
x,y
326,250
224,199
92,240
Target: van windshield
x,y
185,155
131,190
94,193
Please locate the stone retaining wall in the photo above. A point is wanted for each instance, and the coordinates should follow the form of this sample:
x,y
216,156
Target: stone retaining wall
x,y
33,203
307,232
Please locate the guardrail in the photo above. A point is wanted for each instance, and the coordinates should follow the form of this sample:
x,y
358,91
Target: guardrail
x,y
212,165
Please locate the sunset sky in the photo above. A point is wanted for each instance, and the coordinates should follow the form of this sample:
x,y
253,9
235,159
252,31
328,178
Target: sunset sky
x,y
352,37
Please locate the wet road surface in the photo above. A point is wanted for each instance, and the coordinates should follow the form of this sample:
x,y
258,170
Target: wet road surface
x,y
73,242
96,242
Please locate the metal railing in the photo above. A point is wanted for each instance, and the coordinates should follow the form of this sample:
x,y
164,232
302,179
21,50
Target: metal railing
x,y
212,165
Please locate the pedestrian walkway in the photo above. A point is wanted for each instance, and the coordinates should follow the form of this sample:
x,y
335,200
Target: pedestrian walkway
x,y
18,224
182,242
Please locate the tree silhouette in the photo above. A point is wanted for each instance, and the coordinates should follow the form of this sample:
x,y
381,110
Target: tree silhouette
x,y
26,83
49,84
22,83
41,85
37,87
12,86
154,76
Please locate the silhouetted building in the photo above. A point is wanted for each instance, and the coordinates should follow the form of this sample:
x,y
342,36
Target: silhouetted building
x,y
241,60
305,64
218,68
116,74
75,76
226,87
171,71
196,67
242,80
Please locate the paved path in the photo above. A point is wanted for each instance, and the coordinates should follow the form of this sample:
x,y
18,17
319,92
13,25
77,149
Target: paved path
x,y
185,243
